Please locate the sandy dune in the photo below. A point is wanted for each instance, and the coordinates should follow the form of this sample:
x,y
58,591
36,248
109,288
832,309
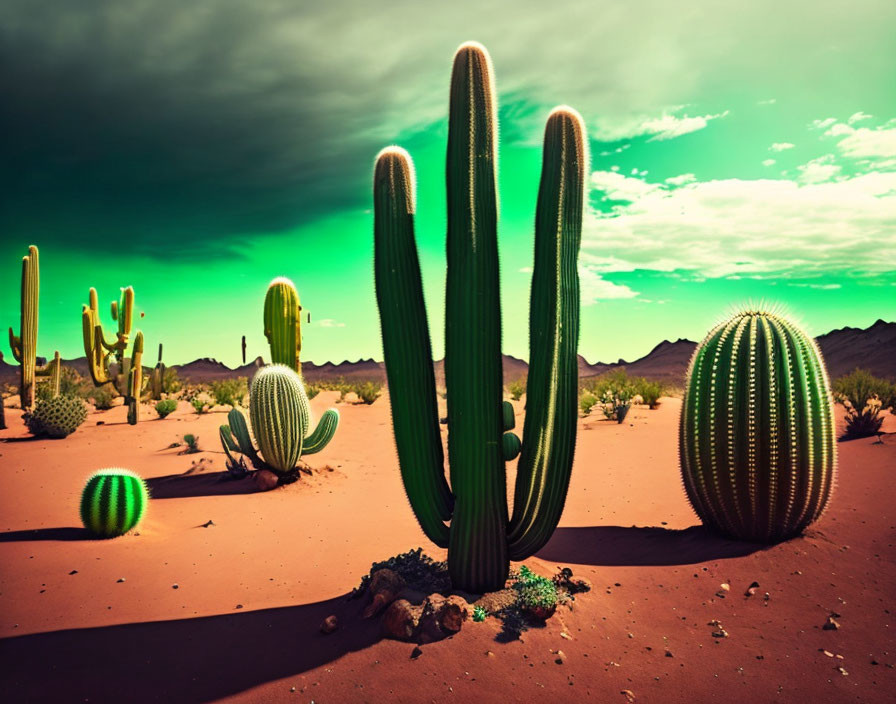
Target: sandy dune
x,y
252,589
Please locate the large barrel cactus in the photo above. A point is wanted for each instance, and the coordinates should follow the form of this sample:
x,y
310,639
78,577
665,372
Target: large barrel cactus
x,y
758,455
480,539
281,417
113,502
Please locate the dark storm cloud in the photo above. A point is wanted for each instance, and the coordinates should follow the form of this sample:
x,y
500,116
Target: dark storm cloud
x,y
169,127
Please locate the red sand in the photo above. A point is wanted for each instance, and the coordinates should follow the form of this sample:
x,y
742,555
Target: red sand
x,y
242,624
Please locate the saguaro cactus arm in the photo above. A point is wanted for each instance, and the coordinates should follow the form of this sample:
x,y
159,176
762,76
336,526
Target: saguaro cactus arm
x,y
406,345
323,433
549,430
282,323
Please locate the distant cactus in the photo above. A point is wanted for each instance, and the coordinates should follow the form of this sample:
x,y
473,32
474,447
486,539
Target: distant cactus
x,y
757,444
56,417
283,323
244,350
128,382
281,418
480,539
113,502
24,345
157,378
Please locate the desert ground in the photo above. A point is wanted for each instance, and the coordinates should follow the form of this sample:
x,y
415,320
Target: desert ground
x,y
220,592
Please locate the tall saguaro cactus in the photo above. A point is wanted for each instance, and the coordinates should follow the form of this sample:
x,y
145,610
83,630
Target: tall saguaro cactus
x,y
24,345
128,381
758,456
283,323
480,538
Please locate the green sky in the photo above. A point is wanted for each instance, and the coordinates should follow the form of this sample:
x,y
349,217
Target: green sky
x,y
738,154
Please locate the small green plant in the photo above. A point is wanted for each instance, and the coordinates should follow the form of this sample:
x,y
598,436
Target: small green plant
x,y
200,404
166,407
171,382
312,390
230,392
535,595
103,397
649,391
56,417
368,391
108,519
863,396
192,444
517,389
586,402
479,614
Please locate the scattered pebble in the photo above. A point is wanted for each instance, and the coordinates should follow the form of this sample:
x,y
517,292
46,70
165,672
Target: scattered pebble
x,y
329,624
209,524
174,586
629,695
831,624
120,580
416,652
74,572
561,657
751,590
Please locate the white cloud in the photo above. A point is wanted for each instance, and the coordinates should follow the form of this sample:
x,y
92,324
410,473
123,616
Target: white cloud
x,y
821,287
770,101
595,288
330,323
781,146
681,179
667,126
819,170
617,186
768,162
763,227
858,117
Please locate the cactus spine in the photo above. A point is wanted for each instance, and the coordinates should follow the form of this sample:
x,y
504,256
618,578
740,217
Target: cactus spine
x,y
281,417
481,540
113,502
24,345
758,456
157,378
99,351
283,323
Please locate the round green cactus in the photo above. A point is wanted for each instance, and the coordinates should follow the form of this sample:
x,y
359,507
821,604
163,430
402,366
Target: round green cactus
x,y
113,502
278,409
57,417
758,455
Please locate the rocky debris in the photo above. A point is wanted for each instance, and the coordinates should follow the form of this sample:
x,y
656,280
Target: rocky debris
x,y
265,480
831,624
401,620
724,588
416,652
329,624
561,657
384,587
574,585
751,590
719,631
437,618
629,695
208,524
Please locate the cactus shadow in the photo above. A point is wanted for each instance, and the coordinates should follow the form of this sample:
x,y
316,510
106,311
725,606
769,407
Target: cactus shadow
x,y
617,546
189,660
182,486
67,533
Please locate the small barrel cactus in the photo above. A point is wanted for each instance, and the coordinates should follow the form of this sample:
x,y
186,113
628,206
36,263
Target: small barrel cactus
x,y
281,417
758,456
113,502
57,417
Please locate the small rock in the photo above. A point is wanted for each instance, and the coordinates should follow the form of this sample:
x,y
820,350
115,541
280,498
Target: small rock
x,y
416,652
725,587
73,572
561,657
385,585
831,624
828,653
751,590
120,580
669,654
329,624
209,524
629,695
174,586
401,619
842,671
264,479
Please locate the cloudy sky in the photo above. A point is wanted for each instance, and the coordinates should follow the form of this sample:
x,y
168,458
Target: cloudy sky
x,y
740,152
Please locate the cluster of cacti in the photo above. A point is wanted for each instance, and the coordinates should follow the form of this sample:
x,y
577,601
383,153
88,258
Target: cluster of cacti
x,y
757,443
128,381
281,417
56,417
157,378
480,539
24,345
113,502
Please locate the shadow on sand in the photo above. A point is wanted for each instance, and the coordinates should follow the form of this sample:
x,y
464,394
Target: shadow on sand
x,y
189,660
618,546
181,486
16,536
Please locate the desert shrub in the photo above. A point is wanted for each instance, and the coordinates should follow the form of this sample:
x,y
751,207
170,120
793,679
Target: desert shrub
x,y
165,407
192,444
171,382
230,392
201,403
71,383
649,391
586,402
863,396
614,391
535,594
517,389
102,397
312,390
56,417
368,391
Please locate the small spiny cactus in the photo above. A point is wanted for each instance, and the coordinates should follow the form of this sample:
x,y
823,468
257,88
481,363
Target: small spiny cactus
x,y
56,417
113,502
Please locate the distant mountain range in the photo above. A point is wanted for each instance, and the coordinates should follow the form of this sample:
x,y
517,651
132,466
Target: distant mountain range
x,y
873,348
